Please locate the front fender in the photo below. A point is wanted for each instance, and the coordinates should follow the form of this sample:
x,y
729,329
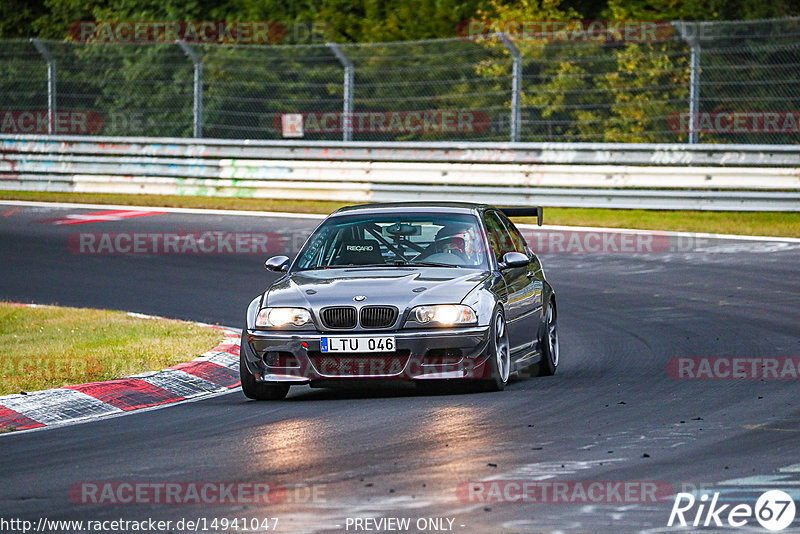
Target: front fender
x,y
483,300
252,312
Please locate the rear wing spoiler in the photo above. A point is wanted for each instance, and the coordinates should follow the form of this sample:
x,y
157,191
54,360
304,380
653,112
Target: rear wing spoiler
x,y
537,212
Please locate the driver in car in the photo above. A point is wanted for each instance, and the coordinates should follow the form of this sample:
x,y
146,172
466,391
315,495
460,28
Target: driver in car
x,y
455,243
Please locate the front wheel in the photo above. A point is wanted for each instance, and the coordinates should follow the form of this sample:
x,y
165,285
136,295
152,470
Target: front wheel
x,y
549,343
499,353
257,390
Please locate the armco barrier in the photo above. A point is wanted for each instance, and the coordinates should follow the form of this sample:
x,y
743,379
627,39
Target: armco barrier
x,y
706,177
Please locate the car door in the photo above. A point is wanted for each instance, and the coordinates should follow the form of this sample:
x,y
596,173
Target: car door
x,y
535,274
519,306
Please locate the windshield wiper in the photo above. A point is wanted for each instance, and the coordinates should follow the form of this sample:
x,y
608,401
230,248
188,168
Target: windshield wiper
x,y
397,263
429,264
348,266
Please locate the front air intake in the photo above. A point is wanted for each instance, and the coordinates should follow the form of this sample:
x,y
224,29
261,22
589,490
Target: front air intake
x,y
378,316
339,317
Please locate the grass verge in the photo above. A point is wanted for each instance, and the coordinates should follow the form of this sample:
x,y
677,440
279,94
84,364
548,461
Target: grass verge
x,y
783,224
47,347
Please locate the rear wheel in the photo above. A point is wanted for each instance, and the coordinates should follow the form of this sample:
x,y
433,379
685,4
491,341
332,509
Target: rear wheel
x,y
549,343
257,390
499,353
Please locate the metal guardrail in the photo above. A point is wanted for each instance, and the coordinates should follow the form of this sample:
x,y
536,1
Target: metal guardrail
x,y
479,152
705,177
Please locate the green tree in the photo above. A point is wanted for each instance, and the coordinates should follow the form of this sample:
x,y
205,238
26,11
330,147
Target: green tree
x,y
18,16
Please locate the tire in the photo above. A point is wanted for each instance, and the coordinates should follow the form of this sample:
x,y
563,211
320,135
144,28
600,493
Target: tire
x,y
257,390
549,342
499,354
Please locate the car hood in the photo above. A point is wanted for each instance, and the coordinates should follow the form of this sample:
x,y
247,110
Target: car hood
x,y
402,287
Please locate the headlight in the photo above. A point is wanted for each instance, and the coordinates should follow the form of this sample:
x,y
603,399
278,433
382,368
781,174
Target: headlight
x,y
444,314
277,317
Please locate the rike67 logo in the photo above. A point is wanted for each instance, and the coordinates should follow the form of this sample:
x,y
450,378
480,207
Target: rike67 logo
x,y
774,510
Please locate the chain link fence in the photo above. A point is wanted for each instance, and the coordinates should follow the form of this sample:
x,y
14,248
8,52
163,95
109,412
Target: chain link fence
x,y
722,82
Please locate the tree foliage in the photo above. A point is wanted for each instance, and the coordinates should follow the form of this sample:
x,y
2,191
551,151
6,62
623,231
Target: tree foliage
x,y
366,20
590,91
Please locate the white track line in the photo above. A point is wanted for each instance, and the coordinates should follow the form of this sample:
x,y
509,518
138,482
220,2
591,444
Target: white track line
x,y
279,214
669,233
193,211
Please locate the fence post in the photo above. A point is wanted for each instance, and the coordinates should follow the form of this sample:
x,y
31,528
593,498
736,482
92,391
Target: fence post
x,y
516,87
51,84
694,78
197,106
347,119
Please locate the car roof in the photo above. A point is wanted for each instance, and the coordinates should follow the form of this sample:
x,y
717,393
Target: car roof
x,y
430,207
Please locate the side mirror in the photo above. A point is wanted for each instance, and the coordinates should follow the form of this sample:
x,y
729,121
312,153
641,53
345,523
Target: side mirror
x,y
278,264
514,259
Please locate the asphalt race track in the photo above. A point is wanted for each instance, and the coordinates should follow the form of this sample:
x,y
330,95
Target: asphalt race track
x,y
611,413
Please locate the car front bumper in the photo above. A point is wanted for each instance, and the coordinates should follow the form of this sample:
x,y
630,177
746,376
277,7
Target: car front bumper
x,y
296,357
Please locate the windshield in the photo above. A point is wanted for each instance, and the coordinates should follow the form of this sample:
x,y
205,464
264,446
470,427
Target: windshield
x,y
447,240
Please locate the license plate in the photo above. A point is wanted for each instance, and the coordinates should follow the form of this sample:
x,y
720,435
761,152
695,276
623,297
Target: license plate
x,y
357,344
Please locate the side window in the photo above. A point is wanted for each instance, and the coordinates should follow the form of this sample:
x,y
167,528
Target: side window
x,y
518,242
498,236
